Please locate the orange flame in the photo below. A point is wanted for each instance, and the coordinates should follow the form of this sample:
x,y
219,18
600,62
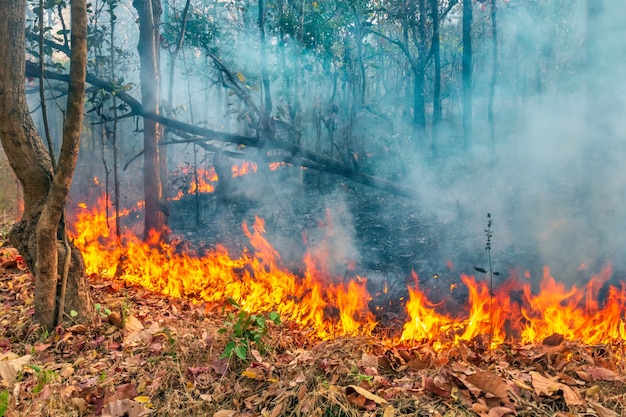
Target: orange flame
x,y
327,306
243,169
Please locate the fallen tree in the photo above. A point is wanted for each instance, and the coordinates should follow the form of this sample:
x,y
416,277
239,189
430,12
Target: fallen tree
x,y
296,154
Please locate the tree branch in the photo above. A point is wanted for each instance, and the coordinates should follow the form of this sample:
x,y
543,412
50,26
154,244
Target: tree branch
x,y
298,154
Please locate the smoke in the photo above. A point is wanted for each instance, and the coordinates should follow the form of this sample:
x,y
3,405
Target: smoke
x,y
555,180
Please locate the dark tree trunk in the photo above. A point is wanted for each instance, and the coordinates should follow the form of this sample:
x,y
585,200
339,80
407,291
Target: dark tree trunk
x,y
435,45
467,72
267,92
149,12
36,235
494,74
419,107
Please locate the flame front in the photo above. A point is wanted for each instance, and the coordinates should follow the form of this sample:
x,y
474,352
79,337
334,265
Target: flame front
x,y
327,306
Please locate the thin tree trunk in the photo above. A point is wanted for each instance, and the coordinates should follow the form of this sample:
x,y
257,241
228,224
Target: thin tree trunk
x,y
494,75
170,85
149,12
267,92
467,72
434,5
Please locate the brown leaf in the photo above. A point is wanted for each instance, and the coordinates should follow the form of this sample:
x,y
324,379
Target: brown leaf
x,y
500,411
554,340
571,397
543,385
389,411
603,411
124,408
490,382
437,387
10,364
479,408
602,374
225,413
363,398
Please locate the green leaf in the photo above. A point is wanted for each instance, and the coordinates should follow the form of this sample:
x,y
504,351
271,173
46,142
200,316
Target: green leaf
x,y
4,402
484,271
275,317
241,352
73,313
34,367
228,350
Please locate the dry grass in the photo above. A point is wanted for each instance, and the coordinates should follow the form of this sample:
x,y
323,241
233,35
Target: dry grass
x,y
166,361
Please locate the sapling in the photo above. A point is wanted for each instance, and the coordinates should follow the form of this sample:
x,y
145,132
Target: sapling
x,y
492,273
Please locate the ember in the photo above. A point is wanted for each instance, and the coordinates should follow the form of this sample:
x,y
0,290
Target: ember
x,y
330,307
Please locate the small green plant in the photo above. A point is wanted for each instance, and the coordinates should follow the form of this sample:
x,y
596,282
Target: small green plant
x,y
102,311
44,376
245,330
4,402
492,273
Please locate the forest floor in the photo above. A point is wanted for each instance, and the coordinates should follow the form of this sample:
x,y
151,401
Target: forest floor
x,y
147,354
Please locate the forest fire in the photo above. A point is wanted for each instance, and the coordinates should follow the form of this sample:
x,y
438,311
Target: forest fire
x,y
331,307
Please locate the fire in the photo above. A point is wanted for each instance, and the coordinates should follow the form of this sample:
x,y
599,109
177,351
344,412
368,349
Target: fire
x,y
243,169
256,280
328,306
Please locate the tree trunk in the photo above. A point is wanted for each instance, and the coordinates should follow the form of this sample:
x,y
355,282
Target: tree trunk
x,y
494,75
267,92
434,12
467,72
35,236
149,12
419,107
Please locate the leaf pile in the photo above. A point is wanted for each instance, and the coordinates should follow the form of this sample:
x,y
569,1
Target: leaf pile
x,y
150,355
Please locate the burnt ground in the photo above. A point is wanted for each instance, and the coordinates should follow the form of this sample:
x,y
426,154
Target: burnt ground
x,y
386,236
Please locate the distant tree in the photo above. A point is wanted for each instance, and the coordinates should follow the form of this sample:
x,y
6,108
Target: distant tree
x,y
467,72
149,12
38,235
494,71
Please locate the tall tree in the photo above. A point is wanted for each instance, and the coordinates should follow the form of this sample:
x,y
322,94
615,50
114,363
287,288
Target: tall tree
x,y
149,12
436,48
494,73
36,235
467,72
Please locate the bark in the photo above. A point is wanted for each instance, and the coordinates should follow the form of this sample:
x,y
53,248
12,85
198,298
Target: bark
x,y
494,74
467,72
267,92
434,12
35,236
149,12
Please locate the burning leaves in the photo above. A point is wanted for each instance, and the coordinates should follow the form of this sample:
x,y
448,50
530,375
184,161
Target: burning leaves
x,y
329,306
164,358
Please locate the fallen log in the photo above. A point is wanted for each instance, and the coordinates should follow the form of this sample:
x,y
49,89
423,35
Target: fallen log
x,y
297,155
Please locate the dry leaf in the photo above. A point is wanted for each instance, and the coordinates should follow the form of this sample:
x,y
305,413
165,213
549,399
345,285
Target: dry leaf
x,y
389,411
363,398
543,385
124,408
500,411
554,340
480,408
277,410
490,383
11,364
602,374
603,411
66,371
571,397
225,413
